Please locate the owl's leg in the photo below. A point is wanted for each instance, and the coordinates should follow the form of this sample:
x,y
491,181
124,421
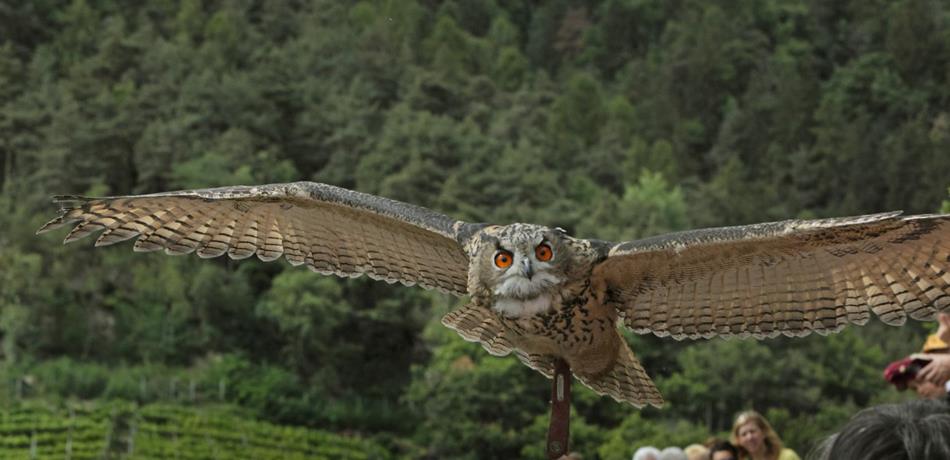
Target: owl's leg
x,y
626,381
479,324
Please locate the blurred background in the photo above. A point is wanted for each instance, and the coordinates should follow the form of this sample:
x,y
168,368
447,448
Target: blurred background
x,y
614,119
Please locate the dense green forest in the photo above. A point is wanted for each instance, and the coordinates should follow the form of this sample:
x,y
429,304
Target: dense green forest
x,y
614,119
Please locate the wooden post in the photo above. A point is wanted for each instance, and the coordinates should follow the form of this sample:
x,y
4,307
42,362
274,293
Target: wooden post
x,y
559,429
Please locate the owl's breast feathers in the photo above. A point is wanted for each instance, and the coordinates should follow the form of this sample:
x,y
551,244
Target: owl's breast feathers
x,y
578,328
582,330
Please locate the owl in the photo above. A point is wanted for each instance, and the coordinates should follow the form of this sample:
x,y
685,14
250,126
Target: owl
x,y
541,294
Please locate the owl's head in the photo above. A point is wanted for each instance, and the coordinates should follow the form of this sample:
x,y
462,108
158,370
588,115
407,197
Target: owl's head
x,y
521,263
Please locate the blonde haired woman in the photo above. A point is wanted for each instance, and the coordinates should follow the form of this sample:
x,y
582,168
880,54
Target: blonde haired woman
x,y
757,440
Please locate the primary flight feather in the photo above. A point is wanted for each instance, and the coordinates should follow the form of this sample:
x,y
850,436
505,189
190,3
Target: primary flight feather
x,y
542,294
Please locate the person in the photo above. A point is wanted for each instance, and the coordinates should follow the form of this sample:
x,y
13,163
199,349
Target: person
x,y
673,453
756,439
647,453
723,450
937,371
912,430
927,372
932,381
696,452
903,373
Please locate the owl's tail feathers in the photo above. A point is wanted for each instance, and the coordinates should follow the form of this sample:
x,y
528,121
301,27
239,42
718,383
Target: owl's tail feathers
x,y
479,324
625,382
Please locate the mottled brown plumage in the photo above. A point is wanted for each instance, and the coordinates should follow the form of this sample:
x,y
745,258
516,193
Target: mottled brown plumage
x,y
541,294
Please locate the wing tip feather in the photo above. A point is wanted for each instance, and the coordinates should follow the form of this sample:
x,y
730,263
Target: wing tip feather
x,y
58,222
66,204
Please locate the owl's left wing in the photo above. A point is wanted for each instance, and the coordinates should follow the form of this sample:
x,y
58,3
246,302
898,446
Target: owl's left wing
x,y
791,277
330,229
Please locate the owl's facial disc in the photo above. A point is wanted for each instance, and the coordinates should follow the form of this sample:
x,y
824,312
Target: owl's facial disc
x,y
525,268
525,275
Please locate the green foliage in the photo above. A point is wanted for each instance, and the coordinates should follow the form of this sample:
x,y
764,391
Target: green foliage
x,y
705,386
634,431
162,431
16,293
806,431
649,207
306,313
468,398
454,53
510,68
582,433
577,115
614,119
34,430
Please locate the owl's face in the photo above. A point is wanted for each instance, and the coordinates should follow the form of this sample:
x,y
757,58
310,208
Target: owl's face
x,y
522,265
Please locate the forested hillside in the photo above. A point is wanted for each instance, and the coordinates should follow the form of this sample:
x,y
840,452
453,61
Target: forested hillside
x,y
613,119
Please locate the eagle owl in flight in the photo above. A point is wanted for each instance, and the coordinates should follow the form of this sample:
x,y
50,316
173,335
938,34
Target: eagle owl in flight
x,y
542,294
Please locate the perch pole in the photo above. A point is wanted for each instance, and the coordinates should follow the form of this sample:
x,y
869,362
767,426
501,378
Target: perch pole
x,y
559,428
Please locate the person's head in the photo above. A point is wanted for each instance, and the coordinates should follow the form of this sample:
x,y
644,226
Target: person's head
x,y
934,344
911,430
647,453
696,452
672,453
723,450
903,373
752,434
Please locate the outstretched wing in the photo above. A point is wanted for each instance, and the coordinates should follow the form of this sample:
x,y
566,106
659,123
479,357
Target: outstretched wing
x,y
330,229
790,277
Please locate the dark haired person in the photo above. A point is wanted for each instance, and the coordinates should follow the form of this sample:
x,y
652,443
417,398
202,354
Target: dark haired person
x,y
723,450
915,430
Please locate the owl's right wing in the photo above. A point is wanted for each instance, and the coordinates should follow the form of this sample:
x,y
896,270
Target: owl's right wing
x,y
791,277
330,229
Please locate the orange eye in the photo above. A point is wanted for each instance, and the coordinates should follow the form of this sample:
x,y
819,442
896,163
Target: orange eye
x,y
543,252
503,259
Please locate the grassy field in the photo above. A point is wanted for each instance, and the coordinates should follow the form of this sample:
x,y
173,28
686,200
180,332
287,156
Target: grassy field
x,y
128,431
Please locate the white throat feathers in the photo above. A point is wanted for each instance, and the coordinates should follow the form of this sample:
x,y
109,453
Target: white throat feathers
x,y
514,308
521,288
518,296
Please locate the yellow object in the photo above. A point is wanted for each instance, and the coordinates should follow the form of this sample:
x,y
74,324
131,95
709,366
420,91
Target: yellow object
x,y
933,344
788,454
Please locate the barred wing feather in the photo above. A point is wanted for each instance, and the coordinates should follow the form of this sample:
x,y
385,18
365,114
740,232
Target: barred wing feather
x,y
330,229
791,277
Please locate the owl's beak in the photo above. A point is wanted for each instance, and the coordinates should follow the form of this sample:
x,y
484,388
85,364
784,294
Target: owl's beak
x,y
526,268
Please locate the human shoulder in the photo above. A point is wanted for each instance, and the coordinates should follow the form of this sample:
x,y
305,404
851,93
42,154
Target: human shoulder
x,y
788,454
